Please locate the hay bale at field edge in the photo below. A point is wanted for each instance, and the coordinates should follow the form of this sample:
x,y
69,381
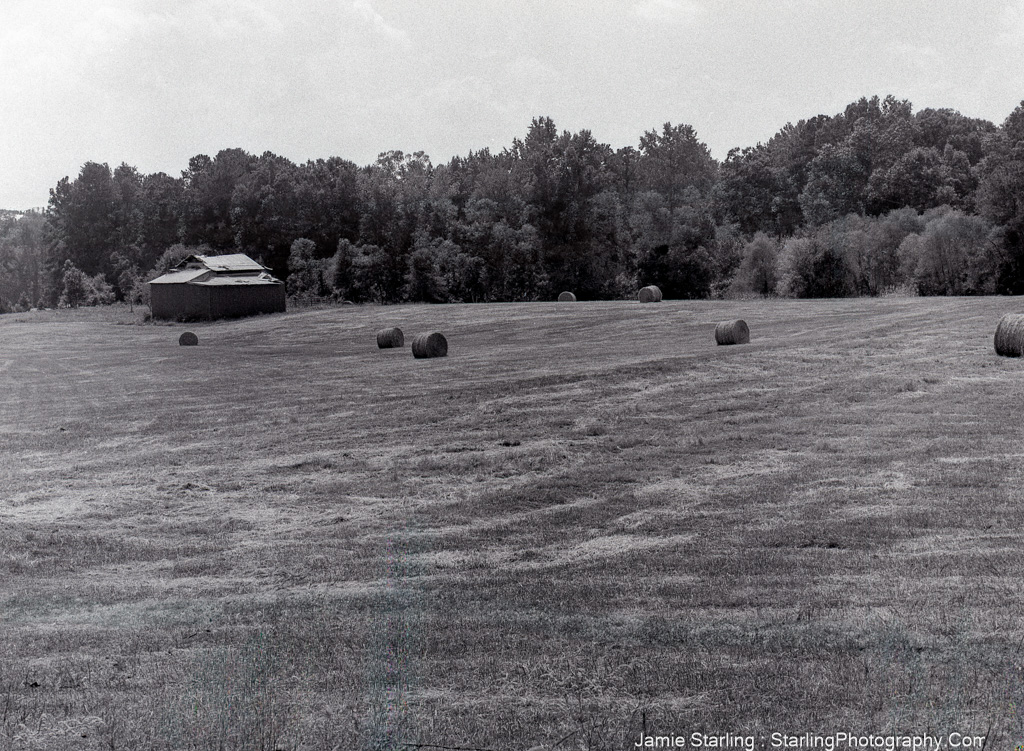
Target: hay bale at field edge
x,y
1009,339
732,332
567,297
390,338
649,293
188,339
429,345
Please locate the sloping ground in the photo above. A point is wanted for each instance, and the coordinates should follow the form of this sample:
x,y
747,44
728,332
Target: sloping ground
x,y
586,522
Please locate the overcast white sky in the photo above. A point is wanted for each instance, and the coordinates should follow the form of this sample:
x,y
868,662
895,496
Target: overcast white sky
x,y
154,82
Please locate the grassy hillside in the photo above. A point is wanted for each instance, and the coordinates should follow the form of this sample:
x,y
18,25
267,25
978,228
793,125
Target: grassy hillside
x,y
586,522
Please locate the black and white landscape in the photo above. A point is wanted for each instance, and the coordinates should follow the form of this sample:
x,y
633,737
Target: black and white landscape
x,y
385,375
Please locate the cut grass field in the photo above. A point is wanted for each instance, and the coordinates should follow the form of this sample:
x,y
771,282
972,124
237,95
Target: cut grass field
x,y
585,523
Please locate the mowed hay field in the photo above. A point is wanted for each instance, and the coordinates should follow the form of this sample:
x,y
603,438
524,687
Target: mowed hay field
x,y
585,522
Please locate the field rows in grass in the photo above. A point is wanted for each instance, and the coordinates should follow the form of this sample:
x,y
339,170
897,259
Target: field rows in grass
x,y
587,519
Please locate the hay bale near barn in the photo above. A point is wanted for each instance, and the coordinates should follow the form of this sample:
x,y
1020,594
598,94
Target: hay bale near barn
x,y
1009,339
429,345
732,332
188,339
209,287
567,297
390,338
649,294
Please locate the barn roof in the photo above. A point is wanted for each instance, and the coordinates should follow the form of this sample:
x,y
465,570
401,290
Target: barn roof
x,y
231,262
235,269
233,281
181,276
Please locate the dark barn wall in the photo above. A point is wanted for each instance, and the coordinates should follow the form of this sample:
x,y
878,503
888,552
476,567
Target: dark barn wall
x,y
186,302
179,301
231,302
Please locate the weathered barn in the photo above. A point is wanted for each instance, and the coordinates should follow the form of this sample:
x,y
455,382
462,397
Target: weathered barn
x,y
208,287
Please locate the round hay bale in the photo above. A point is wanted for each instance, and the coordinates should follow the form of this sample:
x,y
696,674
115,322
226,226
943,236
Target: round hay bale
x,y
650,294
388,338
567,297
430,345
1009,338
188,339
732,332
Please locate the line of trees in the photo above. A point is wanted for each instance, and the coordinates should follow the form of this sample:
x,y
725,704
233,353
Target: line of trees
x,y
873,199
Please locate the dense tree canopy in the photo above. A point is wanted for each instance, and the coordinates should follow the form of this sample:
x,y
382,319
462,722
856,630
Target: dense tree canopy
x,y
872,199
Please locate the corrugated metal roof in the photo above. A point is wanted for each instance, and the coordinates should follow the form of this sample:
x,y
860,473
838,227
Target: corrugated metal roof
x,y
182,276
232,281
230,262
